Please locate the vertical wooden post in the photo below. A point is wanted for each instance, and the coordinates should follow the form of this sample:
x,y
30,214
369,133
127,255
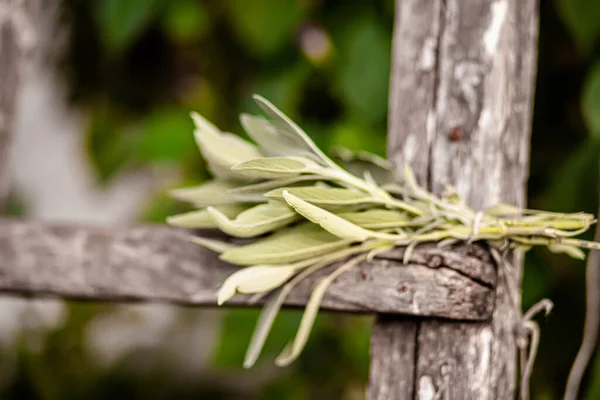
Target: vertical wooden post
x,y
16,37
460,113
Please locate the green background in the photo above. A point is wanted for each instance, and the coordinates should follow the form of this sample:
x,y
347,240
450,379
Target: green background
x,y
139,66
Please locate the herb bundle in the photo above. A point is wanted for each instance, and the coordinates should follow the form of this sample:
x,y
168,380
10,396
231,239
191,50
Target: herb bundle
x,y
305,211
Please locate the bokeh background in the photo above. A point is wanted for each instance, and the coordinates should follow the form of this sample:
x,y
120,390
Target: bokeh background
x,y
103,131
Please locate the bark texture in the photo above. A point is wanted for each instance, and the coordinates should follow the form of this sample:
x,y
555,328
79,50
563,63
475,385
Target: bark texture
x,y
460,113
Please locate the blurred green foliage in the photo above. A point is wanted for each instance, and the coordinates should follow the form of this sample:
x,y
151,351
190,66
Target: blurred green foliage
x,y
139,66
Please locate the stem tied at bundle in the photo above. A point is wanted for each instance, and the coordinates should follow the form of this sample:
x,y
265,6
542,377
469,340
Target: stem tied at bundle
x,y
303,211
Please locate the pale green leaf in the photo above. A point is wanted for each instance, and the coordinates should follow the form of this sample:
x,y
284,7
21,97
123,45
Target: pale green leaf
x,y
286,246
377,218
569,250
265,186
255,221
359,163
201,219
330,222
255,279
272,307
274,167
217,246
263,327
284,137
222,150
214,193
291,352
324,196
210,193
501,209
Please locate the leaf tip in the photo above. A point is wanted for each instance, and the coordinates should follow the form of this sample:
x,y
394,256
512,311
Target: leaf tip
x,y
225,293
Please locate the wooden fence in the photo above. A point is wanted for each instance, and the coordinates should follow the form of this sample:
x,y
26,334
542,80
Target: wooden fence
x,y
460,109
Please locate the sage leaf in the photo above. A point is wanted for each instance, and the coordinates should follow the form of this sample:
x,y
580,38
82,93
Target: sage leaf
x,y
323,196
254,221
210,193
285,246
221,150
292,351
359,163
501,210
274,167
201,219
569,250
271,309
330,222
263,327
216,246
377,218
254,279
285,138
213,193
268,185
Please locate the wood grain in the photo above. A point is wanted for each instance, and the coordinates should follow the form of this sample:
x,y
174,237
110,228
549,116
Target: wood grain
x,y
152,263
460,112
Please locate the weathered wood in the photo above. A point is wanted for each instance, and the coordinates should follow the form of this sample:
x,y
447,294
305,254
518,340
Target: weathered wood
x,y
397,342
159,264
15,39
460,113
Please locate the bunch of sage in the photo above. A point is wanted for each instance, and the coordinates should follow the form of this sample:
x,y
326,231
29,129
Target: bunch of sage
x,y
304,212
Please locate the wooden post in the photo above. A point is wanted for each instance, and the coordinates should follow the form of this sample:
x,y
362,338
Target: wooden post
x,y
460,113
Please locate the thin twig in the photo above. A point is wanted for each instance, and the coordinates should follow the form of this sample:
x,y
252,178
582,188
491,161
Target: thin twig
x,y
591,325
532,330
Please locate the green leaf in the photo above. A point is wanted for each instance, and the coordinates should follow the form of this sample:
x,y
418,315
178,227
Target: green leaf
x,y
365,68
264,26
122,22
208,194
255,279
222,150
110,141
201,219
323,196
581,17
291,352
186,20
377,219
274,167
281,136
217,246
255,221
330,222
591,100
286,246
165,136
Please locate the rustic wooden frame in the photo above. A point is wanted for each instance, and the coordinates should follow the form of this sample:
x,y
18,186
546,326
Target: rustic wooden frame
x,y
460,112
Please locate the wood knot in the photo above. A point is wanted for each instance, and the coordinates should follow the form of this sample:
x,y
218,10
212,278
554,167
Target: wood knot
x,y
402,287
456,134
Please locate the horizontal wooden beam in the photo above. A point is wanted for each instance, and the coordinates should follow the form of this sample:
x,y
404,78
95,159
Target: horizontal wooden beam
x,y
156,263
